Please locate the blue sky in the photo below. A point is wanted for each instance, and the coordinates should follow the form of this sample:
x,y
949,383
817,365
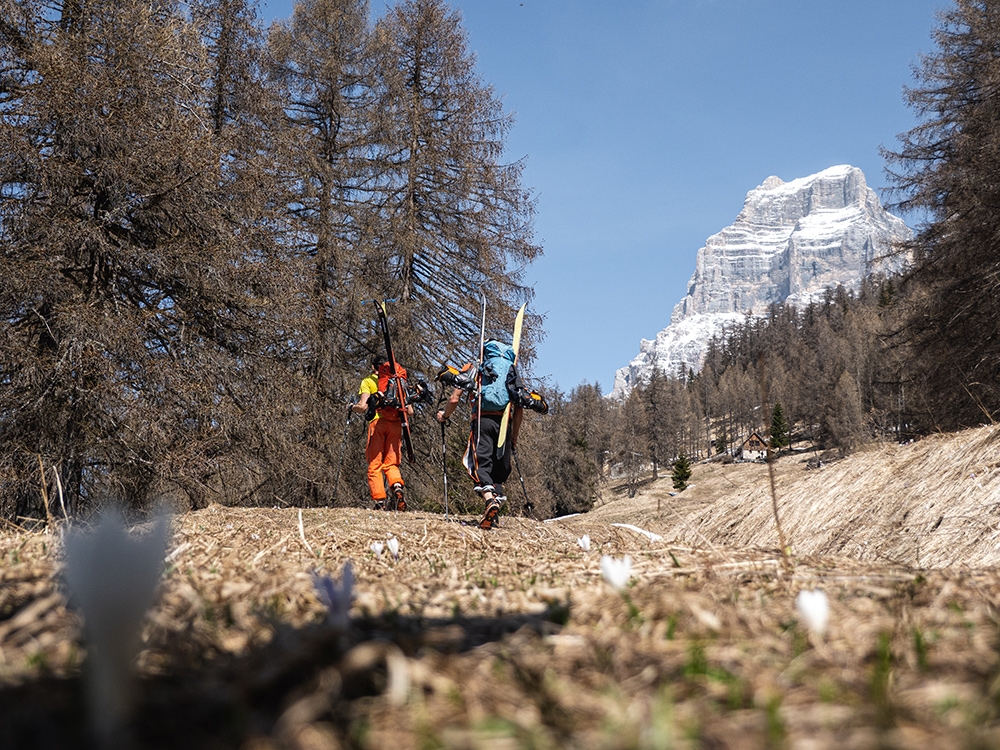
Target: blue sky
x,y
644,123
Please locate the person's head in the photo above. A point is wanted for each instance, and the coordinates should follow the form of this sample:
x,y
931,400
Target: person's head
x,y
377,362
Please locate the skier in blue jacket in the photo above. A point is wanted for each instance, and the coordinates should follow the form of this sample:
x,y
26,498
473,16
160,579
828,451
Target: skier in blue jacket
x,y
491,391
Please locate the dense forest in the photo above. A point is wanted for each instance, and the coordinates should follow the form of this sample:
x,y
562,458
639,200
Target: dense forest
x,y
195,213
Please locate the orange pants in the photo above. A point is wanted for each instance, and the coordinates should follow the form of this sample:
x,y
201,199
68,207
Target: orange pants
x,y
382,454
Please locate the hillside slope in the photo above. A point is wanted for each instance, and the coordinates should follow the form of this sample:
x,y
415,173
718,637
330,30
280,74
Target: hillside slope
x,y
929,504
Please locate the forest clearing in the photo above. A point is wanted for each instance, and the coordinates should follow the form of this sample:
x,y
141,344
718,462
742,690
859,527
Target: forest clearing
x,y
512,638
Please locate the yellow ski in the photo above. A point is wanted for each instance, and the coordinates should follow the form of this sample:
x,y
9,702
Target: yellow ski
x,y
518,323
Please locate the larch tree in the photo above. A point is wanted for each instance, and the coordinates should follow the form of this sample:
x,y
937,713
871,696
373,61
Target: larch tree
x,y
630,439
133,287
945,170
656,402
321,64
456,219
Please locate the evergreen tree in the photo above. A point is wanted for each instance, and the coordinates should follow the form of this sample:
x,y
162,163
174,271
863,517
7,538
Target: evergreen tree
x,y
681,472
780,437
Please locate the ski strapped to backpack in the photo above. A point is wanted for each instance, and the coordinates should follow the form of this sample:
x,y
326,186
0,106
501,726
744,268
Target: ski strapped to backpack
x,y
518,325
398,376
466,378
486,382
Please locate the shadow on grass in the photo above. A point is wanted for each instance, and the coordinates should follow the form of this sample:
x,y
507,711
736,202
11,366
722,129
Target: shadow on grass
x,y
210,699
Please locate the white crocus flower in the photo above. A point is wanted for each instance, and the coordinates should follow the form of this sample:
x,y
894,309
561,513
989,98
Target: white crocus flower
x,y
393,545
616,572
814,609
336,597
584,542
111,578
377,548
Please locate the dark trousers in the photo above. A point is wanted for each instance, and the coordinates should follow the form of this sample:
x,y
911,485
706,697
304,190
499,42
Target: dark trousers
x,y
486,463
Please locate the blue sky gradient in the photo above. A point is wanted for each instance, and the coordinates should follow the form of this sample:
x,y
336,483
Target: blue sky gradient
x,y
644,123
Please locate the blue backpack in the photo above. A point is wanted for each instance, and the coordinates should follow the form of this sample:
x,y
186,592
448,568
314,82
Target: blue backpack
x,y
498,358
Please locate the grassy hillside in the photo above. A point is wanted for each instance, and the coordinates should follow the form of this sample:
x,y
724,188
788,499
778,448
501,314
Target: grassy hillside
x,y
512,638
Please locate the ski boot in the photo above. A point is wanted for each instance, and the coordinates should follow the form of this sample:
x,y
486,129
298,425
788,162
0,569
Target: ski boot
x,y
397,496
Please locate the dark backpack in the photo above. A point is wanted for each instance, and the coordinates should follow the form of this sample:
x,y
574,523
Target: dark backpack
x,y
387,387
498,358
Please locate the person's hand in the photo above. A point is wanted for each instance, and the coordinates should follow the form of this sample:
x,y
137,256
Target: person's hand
x,y
440,416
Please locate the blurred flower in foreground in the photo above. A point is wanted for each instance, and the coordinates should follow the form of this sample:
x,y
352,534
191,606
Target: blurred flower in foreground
x,y
377,548
584,542
111,578
616,572
814,609
336,597
393,544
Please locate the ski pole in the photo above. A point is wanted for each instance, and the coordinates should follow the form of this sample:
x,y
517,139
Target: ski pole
x,y
343,445
527,503
444,466
444,448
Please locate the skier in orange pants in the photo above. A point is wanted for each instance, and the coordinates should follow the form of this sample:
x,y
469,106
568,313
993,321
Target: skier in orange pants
x,y
385,431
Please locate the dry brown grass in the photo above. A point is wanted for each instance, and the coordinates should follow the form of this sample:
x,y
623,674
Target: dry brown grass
x,y
511,638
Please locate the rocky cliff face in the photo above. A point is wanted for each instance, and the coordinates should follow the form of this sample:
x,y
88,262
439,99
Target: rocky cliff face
x,y
791,242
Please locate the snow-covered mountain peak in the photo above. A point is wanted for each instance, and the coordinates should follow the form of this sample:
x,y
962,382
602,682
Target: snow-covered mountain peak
x,y
790,242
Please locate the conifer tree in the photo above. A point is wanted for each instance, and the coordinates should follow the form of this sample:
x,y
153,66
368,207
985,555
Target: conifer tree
x,y
845,421
721,441
321,62
945,167
630,439
779,428
455,220
136,289
559,456
681,472
654,395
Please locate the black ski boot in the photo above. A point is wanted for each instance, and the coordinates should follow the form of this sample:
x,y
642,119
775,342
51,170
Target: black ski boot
x,y
397,495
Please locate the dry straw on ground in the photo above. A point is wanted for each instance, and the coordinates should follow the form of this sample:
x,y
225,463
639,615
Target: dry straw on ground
x,y
512,639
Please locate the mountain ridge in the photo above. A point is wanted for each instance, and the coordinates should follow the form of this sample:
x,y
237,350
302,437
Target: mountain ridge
x,y
790,243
